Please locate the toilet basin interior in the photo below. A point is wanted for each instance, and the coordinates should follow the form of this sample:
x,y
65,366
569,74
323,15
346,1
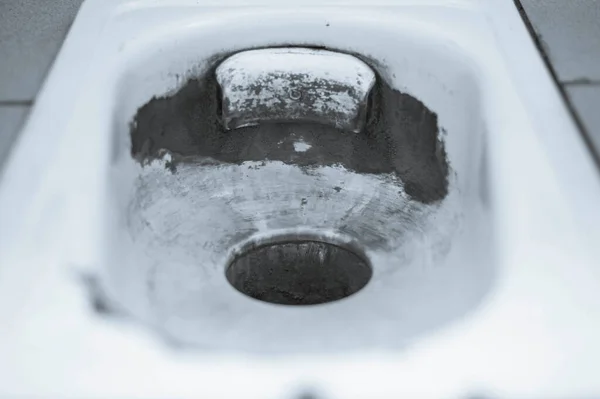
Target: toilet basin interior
x,y
408,195
303,257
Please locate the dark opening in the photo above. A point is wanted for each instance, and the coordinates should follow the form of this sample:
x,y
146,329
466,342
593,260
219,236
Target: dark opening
x,y
298,272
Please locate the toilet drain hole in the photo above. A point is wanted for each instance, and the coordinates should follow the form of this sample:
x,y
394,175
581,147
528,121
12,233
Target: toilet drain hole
x,y
302,272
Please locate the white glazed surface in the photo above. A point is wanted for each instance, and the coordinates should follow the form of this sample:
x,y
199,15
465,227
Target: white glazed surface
x,y
176,232
534,334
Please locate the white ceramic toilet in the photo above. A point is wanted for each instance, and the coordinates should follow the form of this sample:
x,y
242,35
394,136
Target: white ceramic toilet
x,y
161,217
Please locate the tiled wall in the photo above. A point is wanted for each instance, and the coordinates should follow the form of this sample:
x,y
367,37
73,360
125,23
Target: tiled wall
x,y
31,33
569,32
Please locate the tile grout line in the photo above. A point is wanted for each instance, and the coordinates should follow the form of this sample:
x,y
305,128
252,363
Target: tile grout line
x,y
16,103
581,82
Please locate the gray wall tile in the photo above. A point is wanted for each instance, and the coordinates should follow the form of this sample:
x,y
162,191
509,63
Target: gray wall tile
x,y
31,33
11,121
586,100
570,33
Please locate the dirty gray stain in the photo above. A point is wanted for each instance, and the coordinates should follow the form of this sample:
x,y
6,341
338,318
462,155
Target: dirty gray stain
x,y
401,137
